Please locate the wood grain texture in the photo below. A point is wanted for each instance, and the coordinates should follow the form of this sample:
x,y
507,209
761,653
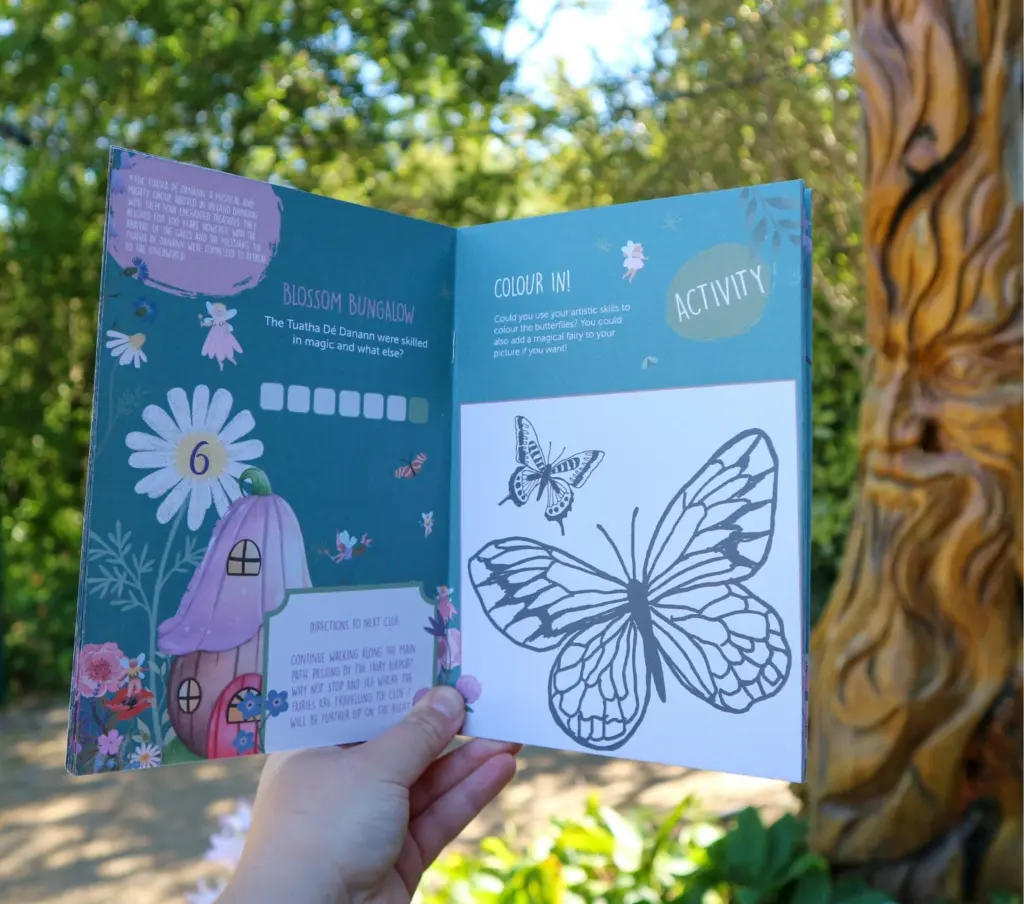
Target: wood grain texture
x,y
914,773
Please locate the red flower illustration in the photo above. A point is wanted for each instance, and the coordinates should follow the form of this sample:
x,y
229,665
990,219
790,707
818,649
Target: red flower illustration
x,y
128,707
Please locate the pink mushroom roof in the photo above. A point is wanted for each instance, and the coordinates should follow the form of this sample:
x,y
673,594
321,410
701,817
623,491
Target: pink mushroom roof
x,y
220,611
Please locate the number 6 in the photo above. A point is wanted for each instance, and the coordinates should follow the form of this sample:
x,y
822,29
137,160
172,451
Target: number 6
x,y
195,456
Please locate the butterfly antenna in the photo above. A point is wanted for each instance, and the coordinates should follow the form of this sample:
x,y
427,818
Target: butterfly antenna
x,y
611,542
632,540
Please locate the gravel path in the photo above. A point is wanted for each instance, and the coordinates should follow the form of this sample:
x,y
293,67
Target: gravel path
x,y
140,836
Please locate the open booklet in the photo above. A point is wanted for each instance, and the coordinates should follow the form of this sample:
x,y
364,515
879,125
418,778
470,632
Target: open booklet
x,y
339,455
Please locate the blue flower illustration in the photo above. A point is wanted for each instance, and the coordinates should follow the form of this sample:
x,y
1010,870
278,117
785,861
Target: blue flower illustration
x,y
141,268
250,706
244,741
277,702
145,309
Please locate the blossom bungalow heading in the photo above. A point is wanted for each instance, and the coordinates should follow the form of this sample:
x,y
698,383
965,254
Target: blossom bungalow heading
x,y
354,305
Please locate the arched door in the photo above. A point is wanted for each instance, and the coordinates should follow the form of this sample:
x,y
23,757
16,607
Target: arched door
x,y
228,721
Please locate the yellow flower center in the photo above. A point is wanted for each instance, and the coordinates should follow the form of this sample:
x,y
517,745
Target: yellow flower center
x,y
137,341
200,456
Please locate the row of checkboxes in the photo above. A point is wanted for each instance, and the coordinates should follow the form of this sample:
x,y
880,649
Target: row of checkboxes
x,y
348,403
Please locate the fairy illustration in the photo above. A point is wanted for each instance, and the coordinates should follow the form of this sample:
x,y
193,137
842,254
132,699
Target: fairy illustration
x,y
134,672
634,261
427,523
220,343
348,546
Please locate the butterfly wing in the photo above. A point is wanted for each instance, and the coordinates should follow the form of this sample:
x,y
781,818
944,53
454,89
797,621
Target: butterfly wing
x,y
541,597
524,480
576,469
537,595
522,484
571,471
417,463
600,685
403,471
723,644
718,528
721,641
528,450
559,501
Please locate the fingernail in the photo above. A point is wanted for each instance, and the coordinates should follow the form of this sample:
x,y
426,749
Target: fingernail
x,y
447,701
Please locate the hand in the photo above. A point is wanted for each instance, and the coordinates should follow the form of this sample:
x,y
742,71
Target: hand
x,y
360,825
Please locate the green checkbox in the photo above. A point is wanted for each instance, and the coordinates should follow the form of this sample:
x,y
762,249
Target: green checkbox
x,y
419,410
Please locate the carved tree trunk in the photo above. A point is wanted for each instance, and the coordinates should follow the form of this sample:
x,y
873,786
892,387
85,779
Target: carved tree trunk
x,y
914,773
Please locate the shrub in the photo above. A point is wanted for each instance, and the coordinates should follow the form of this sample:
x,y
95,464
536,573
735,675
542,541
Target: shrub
x,y
605,858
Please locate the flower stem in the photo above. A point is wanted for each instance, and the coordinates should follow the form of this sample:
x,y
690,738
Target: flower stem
x,y
112,414
155,684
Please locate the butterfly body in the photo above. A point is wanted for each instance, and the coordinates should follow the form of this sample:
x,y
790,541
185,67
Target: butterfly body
x,y
640,613
683,611
552,478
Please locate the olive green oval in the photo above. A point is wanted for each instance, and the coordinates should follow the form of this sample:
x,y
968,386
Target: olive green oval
x,y
719,293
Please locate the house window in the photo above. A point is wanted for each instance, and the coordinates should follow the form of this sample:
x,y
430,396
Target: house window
x,y
235,714
190,695
244,559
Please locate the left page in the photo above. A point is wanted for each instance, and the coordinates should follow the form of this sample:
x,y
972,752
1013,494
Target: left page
x,y
266,515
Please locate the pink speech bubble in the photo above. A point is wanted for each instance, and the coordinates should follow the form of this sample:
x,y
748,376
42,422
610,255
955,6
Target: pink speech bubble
x,y
190,231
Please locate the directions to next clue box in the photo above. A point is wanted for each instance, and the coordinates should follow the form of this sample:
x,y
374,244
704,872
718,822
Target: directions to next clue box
x,y
350,660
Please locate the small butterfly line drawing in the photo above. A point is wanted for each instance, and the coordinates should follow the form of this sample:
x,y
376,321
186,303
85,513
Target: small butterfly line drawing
x,y
411,467
685,613
556,477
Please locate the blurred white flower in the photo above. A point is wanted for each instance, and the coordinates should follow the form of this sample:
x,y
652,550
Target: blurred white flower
x,y
240,820
127,349
226,848
206,893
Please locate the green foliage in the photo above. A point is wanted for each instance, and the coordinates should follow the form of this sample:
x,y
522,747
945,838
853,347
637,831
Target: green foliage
x,y
345,99
402,106
605,858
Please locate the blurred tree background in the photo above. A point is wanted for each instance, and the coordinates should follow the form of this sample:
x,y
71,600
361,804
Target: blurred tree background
x,y
407,106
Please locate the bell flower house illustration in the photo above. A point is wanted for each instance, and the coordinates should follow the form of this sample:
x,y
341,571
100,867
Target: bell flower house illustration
x,y
256,554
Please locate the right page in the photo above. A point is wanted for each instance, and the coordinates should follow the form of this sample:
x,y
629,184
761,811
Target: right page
x,y
631,452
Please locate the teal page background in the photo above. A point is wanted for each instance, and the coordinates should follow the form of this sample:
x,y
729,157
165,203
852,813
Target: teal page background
x,y
336,473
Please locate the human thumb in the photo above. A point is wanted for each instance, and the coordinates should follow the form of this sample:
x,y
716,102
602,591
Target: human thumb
x,y
403,752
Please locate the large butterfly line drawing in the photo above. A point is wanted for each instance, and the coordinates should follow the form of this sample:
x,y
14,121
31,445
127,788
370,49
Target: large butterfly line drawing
x,y
685,611
542,474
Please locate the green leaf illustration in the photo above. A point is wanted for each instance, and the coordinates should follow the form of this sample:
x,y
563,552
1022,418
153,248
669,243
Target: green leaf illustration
x,y
782,203
751,210
130,271
758,237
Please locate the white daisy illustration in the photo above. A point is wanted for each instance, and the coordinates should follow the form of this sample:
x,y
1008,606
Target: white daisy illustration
x,y
127,348
196,454
146,756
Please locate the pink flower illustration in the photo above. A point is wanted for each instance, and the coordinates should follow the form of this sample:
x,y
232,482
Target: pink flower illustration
x,y
470,688
99,670
449,650
110,743
445,606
